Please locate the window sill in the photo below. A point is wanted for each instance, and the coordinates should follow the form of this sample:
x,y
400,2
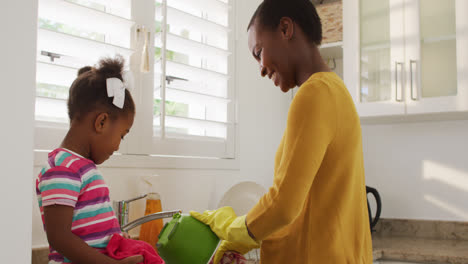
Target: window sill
x,y
156,162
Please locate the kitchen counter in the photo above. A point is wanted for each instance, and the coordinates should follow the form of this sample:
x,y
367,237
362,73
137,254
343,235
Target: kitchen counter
x,y
428,242
437,242
384,248
422,250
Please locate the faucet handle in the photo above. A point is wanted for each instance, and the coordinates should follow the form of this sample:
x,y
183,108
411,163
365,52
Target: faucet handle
x,y
121,209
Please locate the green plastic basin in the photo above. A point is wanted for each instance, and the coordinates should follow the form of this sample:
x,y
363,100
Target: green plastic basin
x,y
185,240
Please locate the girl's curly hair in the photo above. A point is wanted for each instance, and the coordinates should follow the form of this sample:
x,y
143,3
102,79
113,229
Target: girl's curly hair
x,y
88,93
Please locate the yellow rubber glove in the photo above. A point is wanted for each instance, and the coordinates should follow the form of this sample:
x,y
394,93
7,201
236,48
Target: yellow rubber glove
x,y
230,228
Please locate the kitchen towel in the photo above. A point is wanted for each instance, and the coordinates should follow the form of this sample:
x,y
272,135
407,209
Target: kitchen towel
x,y
120,248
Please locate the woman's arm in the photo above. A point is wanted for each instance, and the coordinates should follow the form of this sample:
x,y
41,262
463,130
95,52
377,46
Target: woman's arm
x,y
311,127
248,231
58,221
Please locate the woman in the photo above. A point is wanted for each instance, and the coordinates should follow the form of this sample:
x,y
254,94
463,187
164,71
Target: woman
x,y
316,210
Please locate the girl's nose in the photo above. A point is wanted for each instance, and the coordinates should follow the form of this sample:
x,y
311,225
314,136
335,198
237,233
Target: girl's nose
x,y
263,71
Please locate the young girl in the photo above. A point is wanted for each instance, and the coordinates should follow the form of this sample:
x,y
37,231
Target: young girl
x,y
73,197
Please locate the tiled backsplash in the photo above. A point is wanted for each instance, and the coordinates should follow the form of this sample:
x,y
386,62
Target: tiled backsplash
x,y
422,229
331,15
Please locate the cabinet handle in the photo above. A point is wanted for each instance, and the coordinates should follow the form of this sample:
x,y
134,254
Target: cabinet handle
x,y
412,78
398,99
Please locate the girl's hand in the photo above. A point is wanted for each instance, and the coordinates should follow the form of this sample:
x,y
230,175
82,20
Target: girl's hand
x,y
58,222
126,235
132,260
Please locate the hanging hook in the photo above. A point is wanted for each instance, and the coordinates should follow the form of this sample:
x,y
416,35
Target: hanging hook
x,y
334,63
140,29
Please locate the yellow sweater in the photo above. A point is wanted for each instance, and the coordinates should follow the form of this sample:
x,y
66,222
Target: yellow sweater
x,y
316,211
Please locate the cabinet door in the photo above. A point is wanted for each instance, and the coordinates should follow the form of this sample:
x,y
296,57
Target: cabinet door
x,y
373,43
436,56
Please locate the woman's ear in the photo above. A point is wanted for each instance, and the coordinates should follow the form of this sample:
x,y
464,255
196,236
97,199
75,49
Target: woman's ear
x,y
286,26
101,122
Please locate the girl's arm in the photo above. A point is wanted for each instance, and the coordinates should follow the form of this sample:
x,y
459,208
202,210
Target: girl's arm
x,y
58,221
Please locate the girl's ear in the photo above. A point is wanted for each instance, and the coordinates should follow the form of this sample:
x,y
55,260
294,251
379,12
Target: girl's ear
x,y
101,122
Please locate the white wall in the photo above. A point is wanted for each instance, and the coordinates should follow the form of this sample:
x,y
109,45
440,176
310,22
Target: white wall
x,y
420,169
17,72
262,111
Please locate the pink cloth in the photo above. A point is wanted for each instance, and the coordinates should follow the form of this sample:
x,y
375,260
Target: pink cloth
x,y
120,248
231,257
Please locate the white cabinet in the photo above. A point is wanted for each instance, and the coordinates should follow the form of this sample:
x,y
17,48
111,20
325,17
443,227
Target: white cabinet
x,y
406,56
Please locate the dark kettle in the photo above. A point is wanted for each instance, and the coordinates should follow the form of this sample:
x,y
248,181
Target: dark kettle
x,y
376,195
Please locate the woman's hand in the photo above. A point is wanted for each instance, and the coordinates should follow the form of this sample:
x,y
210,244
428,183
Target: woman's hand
x,y
230,228
131,260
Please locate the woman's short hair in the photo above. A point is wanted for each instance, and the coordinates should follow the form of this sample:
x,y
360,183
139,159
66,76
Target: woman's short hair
x,y
302,12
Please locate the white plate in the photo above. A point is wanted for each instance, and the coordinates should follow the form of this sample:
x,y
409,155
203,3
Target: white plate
x,y
242,197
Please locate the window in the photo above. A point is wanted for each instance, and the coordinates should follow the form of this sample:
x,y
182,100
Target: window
x,y
185,95
192,77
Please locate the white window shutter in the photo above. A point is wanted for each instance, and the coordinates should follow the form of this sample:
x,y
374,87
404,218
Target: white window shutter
x,y
185,103
192,77
73,34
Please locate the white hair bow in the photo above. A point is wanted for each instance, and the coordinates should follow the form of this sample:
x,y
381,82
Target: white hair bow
x,y
116,88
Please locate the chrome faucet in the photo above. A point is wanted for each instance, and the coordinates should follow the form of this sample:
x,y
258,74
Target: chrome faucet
x,y
122,208
148,218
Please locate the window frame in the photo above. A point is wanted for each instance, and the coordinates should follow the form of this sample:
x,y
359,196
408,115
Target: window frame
x,y
140,148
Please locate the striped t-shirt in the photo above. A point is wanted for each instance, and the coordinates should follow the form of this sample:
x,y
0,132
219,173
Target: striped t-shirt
x,y
72,180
